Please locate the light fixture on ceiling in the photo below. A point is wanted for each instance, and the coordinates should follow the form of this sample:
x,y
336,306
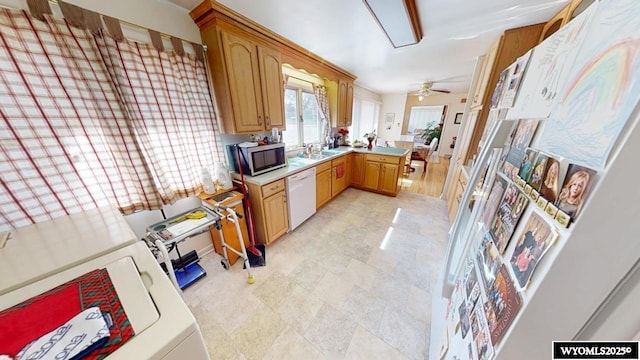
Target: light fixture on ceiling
x,y
398,19
420,97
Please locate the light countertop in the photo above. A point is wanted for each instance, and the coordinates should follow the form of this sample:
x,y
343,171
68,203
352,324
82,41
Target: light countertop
x,y
295,164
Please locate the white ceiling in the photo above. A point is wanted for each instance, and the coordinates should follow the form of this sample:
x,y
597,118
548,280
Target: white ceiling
x,y
343,32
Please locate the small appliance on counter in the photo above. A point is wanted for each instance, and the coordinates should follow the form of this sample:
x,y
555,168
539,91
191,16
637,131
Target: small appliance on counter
x,y
257,159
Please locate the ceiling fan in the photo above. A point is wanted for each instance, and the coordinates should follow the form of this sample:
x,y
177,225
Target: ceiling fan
x,y
427,88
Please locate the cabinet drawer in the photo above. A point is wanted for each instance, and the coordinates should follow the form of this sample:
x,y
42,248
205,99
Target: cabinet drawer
x,y
384,158
272,188
323,167
339,160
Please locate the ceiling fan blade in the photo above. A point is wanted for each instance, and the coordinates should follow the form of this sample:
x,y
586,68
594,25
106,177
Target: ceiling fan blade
x,y
442,91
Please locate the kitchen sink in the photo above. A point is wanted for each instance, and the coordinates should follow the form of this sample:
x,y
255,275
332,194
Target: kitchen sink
x,y
330,152
303,161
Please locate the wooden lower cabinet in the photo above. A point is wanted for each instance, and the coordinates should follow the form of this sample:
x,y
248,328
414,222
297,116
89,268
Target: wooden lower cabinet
x,y
269,205
338,175
389,178
277,220
382,173
323,184
357,169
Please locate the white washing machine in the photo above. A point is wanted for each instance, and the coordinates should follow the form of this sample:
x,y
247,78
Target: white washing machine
x,y
40,257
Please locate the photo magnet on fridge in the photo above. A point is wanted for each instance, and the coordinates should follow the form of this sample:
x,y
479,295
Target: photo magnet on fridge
x,y
575,189
537,237
549,185
503,304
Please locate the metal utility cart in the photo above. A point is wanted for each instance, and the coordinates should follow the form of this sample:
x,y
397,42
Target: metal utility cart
x,y
167,234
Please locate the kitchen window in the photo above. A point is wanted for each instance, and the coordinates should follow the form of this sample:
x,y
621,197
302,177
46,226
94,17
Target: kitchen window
x,y
365,118
303,116
425,117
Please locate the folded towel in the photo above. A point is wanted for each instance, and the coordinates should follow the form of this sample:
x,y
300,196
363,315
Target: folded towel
x,y
24,322
339,171
74,340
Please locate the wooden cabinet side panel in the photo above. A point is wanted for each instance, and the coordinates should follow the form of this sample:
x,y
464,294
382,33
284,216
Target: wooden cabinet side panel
x,y
272,88
348,169
219,80
259,216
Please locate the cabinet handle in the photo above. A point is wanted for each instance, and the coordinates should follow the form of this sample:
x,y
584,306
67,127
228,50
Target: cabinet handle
x,y
260,120
266,118
284,198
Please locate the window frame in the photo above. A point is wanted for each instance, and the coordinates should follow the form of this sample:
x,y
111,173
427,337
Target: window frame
x,y
303,87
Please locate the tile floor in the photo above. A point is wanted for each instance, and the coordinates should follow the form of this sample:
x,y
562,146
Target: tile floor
x,y
353,282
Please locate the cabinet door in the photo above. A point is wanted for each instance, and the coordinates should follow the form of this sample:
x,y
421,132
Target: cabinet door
x,y
342,103
389,178
483,81
275,207
243,74
349,105
337,183
372,175
323,188
272,87
357,170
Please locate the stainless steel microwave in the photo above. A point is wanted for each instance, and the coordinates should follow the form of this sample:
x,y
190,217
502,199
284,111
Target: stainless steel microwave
x,y
256,160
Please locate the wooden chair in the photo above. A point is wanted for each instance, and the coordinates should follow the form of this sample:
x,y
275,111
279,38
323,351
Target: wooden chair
x,y
405,145
416,156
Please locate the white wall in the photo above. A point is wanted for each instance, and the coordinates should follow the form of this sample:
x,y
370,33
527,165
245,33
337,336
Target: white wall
x,y
161,16
391,104
449,129
364,93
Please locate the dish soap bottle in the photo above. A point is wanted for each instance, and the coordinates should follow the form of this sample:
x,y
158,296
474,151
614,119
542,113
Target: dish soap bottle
x,y
207,182
222,176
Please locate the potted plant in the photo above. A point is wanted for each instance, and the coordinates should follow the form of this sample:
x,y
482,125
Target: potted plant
x,y
431,133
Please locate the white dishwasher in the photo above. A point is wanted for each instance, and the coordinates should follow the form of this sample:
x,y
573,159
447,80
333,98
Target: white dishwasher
x,y
301,196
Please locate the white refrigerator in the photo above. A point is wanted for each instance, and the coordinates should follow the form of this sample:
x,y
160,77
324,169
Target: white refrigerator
x,y
581,87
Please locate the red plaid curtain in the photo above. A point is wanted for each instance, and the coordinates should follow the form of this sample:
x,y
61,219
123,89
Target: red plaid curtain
x,y
88,122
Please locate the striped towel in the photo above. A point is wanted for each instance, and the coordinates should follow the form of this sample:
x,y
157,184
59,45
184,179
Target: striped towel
x,y
73,340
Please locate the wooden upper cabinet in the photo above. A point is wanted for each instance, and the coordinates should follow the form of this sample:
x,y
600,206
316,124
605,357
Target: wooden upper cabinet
x,y
245,60
554,24
247,78
243,72
272,87
345,104
512,44
573,9
483,81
